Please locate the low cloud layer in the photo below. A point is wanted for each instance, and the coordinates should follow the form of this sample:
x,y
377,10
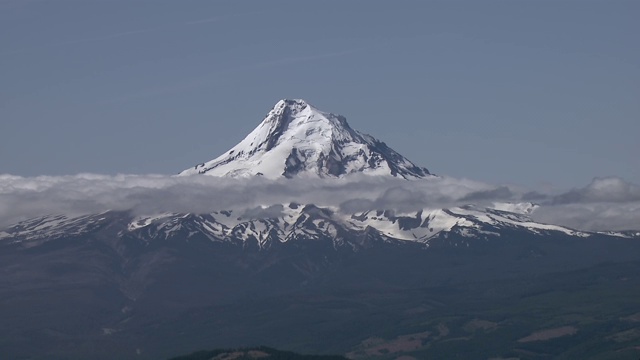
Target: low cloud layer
x,y
610,189
605,204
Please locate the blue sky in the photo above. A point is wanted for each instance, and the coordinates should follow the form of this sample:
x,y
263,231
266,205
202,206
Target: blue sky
x,y
538,93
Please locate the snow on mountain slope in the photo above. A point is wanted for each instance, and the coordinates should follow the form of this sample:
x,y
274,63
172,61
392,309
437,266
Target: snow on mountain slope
x,y
295,222
296,139
42,229
428,223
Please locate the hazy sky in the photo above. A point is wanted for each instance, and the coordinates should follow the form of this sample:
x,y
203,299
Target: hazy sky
x,y
525,92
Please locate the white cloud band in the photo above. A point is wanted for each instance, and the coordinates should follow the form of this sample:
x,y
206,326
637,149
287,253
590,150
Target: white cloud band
x,y
605,204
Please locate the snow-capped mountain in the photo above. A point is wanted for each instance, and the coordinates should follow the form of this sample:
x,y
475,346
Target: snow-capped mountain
x,y
296,139
131,285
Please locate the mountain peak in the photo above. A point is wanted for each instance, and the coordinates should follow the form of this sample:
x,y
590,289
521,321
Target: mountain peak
x,y
289,113
289,105
292,103
296,139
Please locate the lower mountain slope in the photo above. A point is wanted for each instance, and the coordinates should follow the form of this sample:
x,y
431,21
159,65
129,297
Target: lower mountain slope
x,y
252,354
114,285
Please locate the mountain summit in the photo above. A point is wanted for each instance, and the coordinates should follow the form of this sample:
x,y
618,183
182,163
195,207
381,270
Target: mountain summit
x,y
297,140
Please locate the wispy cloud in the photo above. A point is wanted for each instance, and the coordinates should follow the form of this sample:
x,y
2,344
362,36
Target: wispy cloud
x,y
210,78
121,34
85,40
205,21
299,59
